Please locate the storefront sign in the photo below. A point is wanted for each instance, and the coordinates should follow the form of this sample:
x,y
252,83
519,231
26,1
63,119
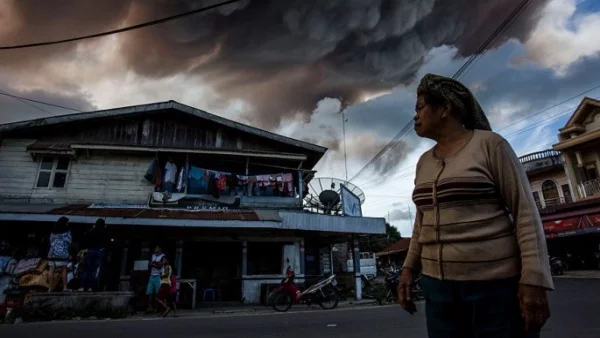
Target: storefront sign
x,y
572,226
198,204
567,224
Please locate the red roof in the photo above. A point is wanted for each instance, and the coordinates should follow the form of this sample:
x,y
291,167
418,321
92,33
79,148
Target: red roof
x,y
399,246
209,215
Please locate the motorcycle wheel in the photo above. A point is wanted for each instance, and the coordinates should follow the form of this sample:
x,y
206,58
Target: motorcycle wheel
x,y
332,293
282,302
390,298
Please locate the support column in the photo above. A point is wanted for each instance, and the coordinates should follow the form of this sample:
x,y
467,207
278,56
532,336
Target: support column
x,y
302,260
244,258
124,259
300,184
244,267
179,257
356,260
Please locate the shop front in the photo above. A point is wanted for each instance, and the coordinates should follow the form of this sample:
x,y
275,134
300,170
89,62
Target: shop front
x,y
217,255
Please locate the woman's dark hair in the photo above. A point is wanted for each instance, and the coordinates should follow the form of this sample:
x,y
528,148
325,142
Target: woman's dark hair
x,y
100,223
61,225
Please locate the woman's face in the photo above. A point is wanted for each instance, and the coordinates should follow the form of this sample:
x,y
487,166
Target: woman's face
x,y
428,119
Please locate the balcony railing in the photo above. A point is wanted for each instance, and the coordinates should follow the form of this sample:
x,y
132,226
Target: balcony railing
x,y
553,202
541,160
589,188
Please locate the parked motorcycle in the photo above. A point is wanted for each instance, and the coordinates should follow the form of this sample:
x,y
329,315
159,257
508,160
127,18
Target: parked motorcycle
x,y
321,293
556,266
392,279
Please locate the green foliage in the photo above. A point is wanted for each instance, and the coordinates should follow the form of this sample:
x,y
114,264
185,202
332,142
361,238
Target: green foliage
x,y
376,243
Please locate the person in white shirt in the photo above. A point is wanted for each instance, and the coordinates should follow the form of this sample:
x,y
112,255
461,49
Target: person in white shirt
x,y
170,180
155,267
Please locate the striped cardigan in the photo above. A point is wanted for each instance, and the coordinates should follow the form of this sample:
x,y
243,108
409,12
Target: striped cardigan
x,y
477,219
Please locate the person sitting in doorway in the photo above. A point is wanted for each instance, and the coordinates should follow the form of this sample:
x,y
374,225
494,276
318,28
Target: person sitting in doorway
x,y
155,267
58,255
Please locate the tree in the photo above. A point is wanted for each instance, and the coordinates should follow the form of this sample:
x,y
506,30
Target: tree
x,y
376,243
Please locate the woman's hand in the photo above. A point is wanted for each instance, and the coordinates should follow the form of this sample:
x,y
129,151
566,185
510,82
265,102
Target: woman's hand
x,y
405,291
534,307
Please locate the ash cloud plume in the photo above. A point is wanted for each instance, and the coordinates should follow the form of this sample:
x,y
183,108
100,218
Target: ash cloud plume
x,y
281,57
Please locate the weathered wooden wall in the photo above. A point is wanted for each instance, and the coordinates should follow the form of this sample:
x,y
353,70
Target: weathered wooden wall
x,y
163,130
102,177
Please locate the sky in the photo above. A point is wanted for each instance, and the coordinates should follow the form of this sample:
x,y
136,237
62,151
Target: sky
x,y
290,66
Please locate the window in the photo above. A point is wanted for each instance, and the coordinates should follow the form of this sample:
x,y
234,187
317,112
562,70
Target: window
x,y
53,172
550,192
536,197
591,172
567,193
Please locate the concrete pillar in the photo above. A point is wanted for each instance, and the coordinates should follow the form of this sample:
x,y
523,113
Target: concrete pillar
x,y
244,267
300,184
179,257
571,172
356,259
124,259
302,259
244,258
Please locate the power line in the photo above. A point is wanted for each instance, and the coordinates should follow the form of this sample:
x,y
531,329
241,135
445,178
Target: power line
x,y
500,30
396,140
554,106
376,181
21,98
27,103
121,30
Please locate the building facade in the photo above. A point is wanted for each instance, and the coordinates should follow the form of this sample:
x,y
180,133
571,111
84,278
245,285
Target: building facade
x,y
546,174
231,218
579,142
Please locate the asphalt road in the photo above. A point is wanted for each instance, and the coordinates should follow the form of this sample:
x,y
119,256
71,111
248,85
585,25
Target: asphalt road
x,y
575,314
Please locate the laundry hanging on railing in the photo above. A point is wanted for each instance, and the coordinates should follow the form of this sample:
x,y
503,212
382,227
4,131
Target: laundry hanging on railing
x,y
204,181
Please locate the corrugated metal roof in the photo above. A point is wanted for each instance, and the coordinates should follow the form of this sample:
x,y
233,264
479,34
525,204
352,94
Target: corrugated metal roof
x,y
212,215
44,145
399,246
319,222
143,108
255,219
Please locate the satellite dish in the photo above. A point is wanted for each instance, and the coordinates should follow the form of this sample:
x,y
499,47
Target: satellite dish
x,y
324,194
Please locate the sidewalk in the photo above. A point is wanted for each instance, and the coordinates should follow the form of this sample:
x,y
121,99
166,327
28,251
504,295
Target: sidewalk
x,y
226,309
577,274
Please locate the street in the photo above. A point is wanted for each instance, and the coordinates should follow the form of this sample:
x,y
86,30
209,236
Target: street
x,y
575,308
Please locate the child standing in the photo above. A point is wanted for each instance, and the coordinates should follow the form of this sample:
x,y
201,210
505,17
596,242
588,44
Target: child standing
x,y
164,292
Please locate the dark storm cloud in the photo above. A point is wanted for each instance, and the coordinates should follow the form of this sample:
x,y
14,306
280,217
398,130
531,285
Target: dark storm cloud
x,y
280,56
284,56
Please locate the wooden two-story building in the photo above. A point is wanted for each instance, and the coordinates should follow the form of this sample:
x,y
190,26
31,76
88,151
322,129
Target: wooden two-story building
x,y
233,220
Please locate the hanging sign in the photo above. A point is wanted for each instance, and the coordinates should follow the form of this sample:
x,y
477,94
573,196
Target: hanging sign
x,y
350,202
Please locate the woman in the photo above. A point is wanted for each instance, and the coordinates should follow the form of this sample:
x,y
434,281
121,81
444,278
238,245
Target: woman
x,y
95,243
58,255
478,240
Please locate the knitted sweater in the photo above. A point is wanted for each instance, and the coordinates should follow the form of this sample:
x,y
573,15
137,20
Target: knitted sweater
x,y
477,219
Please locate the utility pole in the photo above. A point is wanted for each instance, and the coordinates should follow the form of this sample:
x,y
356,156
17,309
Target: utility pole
x,y
410,214
342,109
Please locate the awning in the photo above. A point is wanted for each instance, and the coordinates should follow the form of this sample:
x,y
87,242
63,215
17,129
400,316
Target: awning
x,y
48,147
233,219
573,226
